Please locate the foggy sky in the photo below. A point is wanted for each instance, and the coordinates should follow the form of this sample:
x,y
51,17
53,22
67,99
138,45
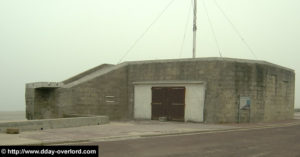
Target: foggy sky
x,y
52,40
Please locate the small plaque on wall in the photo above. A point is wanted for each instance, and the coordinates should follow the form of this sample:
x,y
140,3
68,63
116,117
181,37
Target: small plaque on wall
x,y
245,103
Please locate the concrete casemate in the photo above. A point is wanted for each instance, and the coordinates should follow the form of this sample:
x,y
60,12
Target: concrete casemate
x,y
234,91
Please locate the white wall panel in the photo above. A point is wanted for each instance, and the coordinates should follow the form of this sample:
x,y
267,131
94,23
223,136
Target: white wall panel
x,y
194,103
142,101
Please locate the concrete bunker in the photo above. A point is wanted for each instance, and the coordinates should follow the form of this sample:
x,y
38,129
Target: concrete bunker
x,y
201,90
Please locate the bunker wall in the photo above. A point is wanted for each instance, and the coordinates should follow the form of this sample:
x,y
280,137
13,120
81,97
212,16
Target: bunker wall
x,y
103,95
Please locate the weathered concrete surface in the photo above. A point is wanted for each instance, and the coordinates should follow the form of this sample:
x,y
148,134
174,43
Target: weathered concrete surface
x,y
120,131
227,79
12,139
107,132
53,123
83,74
44,85
110,90
116,131
12,130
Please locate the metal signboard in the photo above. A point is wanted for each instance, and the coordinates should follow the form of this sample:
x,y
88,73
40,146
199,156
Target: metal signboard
x,y
245,102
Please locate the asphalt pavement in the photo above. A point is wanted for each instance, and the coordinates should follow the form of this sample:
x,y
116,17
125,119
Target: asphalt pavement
x,y
263,142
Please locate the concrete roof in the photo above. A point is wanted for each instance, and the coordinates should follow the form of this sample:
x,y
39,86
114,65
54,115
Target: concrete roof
x,y
101,70
44,85
210,59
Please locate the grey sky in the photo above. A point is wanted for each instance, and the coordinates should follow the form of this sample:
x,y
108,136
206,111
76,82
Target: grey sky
x,y
52,40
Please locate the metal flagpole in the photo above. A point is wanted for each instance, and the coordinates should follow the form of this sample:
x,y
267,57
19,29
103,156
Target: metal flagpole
x,y
194,28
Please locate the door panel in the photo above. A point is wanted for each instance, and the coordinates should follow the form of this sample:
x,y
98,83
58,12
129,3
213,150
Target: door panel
x,y
157,102
177,103
168,102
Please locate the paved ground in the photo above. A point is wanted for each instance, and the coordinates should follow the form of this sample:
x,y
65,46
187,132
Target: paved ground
x,y
268,142
111,131
125,130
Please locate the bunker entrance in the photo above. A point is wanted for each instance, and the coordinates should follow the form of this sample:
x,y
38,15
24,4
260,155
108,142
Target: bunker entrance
x,y
168,102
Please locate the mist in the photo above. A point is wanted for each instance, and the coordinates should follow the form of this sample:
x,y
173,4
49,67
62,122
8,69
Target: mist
x,y
52,40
